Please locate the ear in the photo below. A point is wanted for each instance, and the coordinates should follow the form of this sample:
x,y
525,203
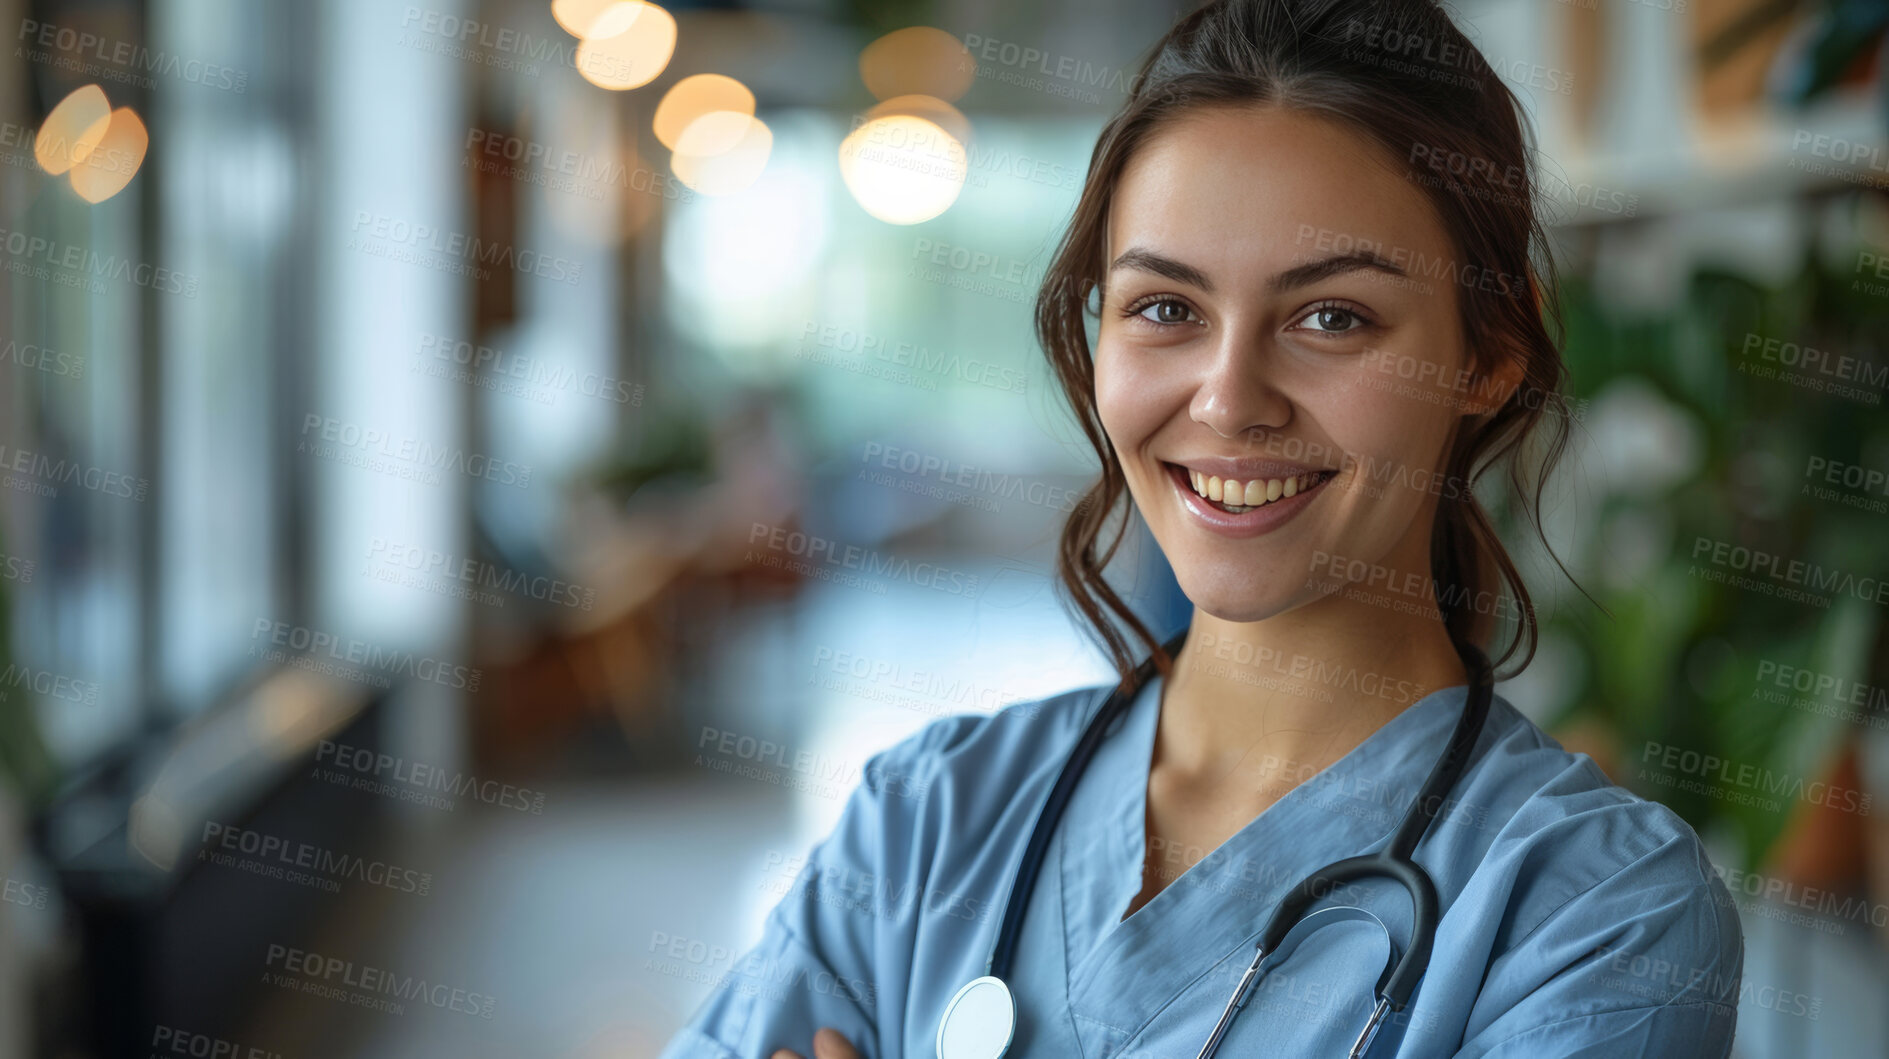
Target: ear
x,y
1492,389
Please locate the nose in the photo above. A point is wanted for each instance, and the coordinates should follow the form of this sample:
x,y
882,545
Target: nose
x,y
1236,394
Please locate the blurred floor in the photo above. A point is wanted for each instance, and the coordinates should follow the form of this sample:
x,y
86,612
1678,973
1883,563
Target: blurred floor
x,y
554,921
567,918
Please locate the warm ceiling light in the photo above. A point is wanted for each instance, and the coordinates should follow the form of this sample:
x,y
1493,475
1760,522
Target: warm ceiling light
x,y
713,133
722,152
72,129
919,60
936,111
109,166
577,16
628,45
907,162
692,97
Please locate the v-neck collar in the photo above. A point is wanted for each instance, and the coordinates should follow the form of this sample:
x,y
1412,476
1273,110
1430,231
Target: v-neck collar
x,y
1217,906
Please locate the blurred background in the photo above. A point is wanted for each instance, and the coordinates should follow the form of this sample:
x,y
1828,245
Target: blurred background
x,y
483,477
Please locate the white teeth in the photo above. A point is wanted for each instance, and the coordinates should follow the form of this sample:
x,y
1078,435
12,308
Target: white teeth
x,y
1249,494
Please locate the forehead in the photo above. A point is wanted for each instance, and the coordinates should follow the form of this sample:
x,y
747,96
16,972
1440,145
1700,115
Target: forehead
x,y
1244,192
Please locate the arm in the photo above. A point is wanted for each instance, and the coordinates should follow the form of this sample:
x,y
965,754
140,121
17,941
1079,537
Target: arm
x,y
818,961
777,996
1646,962
1698,1028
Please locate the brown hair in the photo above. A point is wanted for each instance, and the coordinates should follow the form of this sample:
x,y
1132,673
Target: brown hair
x,y
1400,73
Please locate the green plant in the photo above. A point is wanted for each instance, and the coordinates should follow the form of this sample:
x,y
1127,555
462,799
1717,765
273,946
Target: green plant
x,y
1677,663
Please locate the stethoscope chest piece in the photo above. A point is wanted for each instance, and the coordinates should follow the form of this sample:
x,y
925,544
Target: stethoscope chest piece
x,y
979,1021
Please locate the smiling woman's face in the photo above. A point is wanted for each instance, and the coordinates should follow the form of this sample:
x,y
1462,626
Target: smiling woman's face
x,y
1245,337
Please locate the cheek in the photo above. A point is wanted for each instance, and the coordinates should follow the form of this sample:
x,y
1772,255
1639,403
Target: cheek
x,y
1112,398
1385,425
1397,443
1129,396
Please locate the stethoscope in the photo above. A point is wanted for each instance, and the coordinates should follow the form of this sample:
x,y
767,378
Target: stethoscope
x,y
981,1019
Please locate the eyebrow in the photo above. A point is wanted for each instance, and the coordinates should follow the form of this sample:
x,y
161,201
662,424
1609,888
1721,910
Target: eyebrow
x,y
1146,260
1313,271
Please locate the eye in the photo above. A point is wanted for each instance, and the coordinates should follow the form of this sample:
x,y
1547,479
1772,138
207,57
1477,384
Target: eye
x,y
1333,320
1168,311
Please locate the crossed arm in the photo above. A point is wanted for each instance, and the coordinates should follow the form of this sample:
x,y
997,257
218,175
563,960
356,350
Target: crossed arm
x,y
829,1043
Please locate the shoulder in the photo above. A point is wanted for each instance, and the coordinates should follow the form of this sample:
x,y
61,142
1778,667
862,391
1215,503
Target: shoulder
x,y
1557,813
1603,888
927,804
989,752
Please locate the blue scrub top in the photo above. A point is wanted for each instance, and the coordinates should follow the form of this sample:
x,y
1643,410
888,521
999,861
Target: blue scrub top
x,y
1579,919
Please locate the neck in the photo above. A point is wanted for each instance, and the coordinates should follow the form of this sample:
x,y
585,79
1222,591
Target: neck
x,y
1252,709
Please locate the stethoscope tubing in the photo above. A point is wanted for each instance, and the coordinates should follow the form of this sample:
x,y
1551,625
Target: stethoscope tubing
x,y
1003,951
1394,862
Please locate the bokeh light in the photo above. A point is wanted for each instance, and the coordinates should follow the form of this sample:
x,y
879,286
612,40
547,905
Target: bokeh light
x,y
578,16
920,60
722,152
907,162
110,165
73,128
629,44
694,97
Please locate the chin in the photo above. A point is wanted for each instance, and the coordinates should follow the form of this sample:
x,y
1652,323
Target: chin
x,y
1244,611
1221,598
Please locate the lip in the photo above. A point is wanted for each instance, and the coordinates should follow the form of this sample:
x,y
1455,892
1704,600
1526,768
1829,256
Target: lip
x,y
1262,519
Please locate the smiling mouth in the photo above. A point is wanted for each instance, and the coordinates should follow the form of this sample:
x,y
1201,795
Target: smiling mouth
x,y
1237,497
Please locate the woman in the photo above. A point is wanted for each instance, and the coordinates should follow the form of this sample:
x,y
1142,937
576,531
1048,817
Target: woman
x,y
1306,241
